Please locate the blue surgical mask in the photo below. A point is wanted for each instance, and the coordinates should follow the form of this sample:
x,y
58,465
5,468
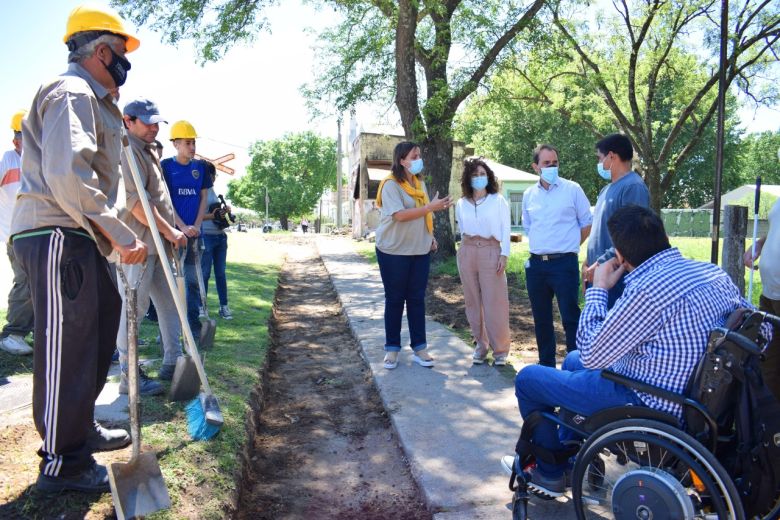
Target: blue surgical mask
x,y
550,174
479,183
605,174
416,166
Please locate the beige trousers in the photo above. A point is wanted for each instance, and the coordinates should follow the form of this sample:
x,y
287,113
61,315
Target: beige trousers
x,y
485,293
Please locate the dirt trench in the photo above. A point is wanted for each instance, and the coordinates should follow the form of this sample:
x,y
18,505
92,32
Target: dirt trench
x,y
323,446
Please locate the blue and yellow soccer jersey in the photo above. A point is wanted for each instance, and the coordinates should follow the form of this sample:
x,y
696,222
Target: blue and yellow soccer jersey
x,y
184,183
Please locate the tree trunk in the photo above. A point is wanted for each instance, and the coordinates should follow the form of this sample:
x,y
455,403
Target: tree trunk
x,y
653,181
283,221
437,157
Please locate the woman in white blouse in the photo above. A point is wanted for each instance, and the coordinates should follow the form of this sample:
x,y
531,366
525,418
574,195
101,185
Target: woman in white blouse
x,y
483,218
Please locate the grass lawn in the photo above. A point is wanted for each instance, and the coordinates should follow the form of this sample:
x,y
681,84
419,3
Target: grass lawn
x,y
201,476
695,248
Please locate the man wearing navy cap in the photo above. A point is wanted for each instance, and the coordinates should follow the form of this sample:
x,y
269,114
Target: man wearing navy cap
x,y
142,118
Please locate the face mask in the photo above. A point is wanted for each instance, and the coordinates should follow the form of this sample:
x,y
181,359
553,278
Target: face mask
x,y
479,183
605,174
118,68
416,166
550,174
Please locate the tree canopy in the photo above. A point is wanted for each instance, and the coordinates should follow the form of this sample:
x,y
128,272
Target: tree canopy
x,y
295,170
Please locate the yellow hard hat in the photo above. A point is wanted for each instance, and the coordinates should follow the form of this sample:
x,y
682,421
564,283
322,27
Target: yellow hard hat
x,y
16,120
182,130
95,18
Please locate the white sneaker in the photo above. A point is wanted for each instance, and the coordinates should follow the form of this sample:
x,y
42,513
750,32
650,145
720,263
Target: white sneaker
x,y
201,313
16,345
224,312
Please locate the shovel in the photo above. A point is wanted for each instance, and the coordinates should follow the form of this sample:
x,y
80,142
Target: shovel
x,y
211,408
208,327
137,487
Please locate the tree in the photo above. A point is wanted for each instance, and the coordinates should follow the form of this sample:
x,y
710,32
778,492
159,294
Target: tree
x,y
295,170
643,70
385,48
759,156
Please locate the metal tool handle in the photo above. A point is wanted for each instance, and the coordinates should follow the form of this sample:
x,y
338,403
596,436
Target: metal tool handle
x,y
131,311
181,308
201,283
756,203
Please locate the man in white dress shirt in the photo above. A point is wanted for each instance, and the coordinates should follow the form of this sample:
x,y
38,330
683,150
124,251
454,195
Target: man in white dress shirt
x,y
557,220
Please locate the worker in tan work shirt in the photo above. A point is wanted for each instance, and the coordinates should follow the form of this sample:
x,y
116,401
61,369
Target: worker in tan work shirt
x,y
65,222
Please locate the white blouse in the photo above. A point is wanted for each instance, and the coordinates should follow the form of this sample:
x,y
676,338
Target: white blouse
x,y
488,218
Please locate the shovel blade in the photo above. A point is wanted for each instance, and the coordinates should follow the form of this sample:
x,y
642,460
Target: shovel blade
x,y
186,382
208,328
137,487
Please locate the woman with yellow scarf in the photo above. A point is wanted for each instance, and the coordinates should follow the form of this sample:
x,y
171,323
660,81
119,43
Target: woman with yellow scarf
x,y
404,242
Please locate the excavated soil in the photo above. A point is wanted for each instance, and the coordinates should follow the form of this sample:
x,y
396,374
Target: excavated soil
x,y
323,446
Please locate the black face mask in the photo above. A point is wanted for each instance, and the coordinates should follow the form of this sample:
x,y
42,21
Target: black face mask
x,y
118,68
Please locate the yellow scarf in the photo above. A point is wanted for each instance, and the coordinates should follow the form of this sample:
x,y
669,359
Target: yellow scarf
x,y
419,195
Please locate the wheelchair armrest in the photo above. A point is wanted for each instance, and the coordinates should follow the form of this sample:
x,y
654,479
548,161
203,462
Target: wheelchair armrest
x,y
643,387
669,396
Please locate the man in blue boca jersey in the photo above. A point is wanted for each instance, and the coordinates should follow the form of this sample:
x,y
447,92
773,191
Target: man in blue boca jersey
x,y
188,184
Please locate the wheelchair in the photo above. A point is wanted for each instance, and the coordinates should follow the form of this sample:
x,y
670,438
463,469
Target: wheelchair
x,y
635,462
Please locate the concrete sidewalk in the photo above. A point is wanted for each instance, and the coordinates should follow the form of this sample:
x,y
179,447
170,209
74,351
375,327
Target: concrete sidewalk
x,y
454,421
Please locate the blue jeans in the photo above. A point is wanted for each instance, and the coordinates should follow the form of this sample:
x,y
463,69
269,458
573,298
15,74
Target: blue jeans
x,y
193,289
578,390
405,278
544,279
215,252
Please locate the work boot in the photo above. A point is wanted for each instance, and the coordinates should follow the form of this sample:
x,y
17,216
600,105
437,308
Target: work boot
x,y
166,372
103,439
16,345
92,480
146,385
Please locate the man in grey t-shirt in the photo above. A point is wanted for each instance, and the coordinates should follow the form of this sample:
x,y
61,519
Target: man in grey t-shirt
x,y
626,188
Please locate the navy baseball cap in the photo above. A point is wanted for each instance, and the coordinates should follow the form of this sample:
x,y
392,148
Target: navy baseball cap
x,y
145,110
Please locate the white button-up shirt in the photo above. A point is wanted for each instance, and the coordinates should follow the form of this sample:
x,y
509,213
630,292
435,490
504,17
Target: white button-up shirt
x,y
553,218
487,219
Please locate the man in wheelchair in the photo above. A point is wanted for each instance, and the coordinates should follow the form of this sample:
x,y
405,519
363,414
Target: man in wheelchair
x,y
656,333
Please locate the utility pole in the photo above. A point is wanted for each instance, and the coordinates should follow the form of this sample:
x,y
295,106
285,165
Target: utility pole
x,y
338,178
724,41
266,206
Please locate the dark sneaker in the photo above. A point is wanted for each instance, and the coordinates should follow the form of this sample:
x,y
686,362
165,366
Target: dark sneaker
x,y
538,484
224,312
166,372
146,385
92,480
103,439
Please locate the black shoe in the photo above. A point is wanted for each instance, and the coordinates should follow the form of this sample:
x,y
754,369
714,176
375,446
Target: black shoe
x,y
92,480
166,372
103,439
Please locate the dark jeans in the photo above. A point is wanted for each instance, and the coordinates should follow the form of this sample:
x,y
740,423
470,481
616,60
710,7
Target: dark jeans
x,y
405,278
193,289
215,252
20,307
559,277
578,390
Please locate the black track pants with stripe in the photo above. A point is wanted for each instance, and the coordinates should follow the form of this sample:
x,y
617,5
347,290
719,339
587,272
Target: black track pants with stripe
x,y
77,309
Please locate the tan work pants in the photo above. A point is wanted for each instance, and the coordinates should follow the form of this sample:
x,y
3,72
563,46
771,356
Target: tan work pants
x,y
485,293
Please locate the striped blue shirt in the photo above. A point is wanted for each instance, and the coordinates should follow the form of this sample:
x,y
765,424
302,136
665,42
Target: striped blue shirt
x,y
657,331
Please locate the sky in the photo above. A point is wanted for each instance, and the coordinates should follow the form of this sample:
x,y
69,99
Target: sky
x,y
253,93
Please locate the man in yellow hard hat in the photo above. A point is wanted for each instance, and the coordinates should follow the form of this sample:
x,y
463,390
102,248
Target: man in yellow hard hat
x,y
65,223
20,311
189,185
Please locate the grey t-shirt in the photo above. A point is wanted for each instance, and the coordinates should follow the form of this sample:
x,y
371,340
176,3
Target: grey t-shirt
x,y
401,238
208,227
629,189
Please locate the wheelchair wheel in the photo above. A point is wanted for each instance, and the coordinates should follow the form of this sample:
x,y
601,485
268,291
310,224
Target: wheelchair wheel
x,y
650,471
